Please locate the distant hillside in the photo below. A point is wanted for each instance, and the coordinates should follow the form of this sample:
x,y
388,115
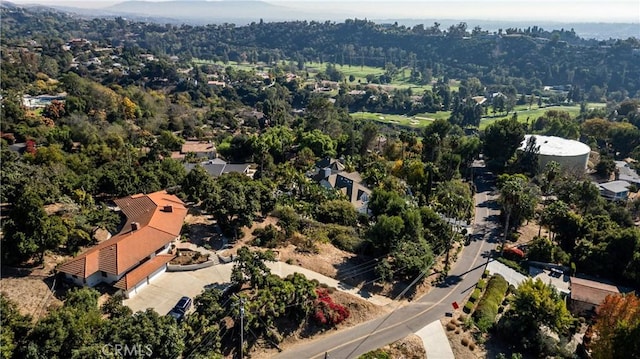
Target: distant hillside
x,y
586,30
242,12
202,12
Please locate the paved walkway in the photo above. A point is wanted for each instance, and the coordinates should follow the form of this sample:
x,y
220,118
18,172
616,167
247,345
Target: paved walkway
x,y
435,341
509,274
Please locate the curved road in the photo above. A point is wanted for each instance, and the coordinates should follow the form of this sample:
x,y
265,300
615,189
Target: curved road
x,y
409,318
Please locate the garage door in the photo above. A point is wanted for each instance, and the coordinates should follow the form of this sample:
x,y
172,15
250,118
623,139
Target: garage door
x,y
157,273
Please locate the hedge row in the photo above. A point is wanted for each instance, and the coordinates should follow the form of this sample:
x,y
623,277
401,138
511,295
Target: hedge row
x,y
487,309
475,295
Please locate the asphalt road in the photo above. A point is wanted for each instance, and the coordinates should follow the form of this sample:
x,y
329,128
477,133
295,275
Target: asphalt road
x,y
409,318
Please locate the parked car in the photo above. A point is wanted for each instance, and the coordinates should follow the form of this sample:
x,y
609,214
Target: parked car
x,y
176,314
181,308
183,304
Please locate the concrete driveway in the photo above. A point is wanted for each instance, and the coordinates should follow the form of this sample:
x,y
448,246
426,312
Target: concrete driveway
x,y
165,291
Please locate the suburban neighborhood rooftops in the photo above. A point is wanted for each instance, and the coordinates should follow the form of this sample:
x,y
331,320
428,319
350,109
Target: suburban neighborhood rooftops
x,y
557,146
626,173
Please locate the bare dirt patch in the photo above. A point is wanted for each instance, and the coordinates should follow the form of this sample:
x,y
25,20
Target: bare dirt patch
x,y
326,262
29,287
461,339
31,294
409,347
528,232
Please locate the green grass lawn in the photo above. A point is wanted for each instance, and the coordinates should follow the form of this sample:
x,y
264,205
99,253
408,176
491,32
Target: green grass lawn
x,y
525,115
418,121
359,72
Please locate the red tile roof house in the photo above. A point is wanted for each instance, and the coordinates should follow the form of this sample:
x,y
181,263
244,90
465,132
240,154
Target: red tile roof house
x,y
136,255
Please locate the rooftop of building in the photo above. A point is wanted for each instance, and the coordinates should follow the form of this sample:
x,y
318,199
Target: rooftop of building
x,y
557,146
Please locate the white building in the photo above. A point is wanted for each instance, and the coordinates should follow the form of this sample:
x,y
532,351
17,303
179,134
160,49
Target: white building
x,y
570,154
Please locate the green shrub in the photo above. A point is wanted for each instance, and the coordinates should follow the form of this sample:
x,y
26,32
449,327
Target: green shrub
x,y
468,307
269,236
484,324
487,308
481,284
475,295
375,354
337,211
289,219
343,237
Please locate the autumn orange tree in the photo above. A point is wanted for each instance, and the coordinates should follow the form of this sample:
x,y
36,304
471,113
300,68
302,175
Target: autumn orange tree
x,y
618,327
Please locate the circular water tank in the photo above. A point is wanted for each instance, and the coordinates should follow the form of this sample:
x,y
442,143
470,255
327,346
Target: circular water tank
x,y
570,154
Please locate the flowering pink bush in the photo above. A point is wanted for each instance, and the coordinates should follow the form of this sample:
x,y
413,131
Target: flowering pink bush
x,y
327,311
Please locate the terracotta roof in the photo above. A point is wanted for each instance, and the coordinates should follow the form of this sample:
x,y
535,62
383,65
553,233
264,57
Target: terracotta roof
x,y
590,291
159,217
141,272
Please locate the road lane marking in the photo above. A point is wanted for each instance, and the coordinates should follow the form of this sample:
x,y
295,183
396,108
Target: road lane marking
x,y
362,338
382,330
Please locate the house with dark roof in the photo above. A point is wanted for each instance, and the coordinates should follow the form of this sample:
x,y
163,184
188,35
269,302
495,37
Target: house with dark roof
x,y
217,167
330,173
587,295
139,252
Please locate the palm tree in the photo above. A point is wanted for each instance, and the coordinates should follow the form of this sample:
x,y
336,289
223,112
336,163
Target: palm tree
x,y
551,172
511,194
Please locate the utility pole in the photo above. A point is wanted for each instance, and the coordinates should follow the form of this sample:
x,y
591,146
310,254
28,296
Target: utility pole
x,y
241,327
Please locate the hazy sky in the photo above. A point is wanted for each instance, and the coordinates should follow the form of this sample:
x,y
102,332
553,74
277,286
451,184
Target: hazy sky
x,y
548,10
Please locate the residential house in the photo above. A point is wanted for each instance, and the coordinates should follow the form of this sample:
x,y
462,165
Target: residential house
x,y
139,252
587,295
217,167
330,173
480,100
615,190
40,101
214,83
625,173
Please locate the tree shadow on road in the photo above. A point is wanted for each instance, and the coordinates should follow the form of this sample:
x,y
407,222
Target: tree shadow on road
x,y
449,281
